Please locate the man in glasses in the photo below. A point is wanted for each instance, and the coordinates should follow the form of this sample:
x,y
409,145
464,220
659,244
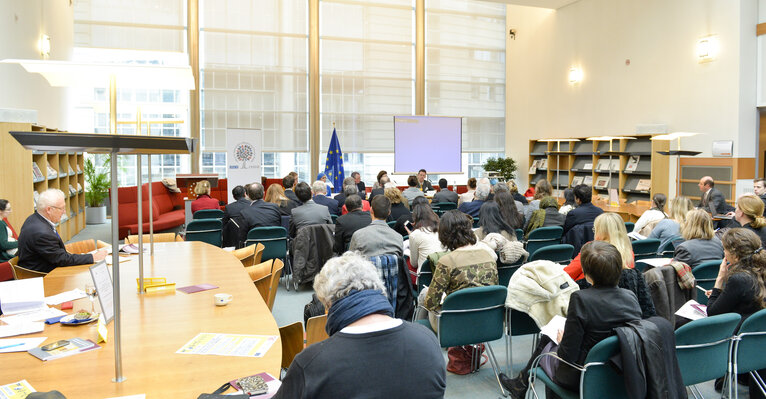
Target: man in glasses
x,y
40,247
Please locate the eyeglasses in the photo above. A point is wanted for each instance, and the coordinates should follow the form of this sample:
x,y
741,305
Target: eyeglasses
x,y
61,208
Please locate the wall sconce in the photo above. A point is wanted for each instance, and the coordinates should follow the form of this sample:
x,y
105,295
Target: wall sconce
x,y
575,75
45,45
707,48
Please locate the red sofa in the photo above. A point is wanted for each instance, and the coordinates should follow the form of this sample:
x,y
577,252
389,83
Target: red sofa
x,y
167,209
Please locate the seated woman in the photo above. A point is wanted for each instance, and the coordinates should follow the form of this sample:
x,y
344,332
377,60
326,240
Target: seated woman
x,y
276,195
542,189
515,192
468,265
547,215
610,227
203,201
424,238
591,317
468,195
667,229
368,349
399,204
412,191
701,244
8,242
569,202
749,214
323,178
511,209
649,219
378,183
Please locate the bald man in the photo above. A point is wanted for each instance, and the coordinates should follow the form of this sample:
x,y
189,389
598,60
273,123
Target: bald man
x,y
712,200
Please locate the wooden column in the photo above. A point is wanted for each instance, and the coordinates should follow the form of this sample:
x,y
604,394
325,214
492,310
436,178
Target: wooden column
x,y
194,98
420,57
315,130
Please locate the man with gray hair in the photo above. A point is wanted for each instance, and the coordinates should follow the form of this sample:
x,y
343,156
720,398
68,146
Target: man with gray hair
x,y
368,350
479,197
260,213
341,197
40,247
319,188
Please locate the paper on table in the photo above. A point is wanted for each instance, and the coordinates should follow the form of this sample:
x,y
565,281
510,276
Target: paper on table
x,y
12,344
229,345
692,310
552,328
38,315
18,296
21,329
17,390
65,297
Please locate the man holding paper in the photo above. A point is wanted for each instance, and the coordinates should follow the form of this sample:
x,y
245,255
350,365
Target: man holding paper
x,y
40,247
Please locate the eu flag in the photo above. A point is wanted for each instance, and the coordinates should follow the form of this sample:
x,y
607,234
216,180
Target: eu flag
x,y
333,167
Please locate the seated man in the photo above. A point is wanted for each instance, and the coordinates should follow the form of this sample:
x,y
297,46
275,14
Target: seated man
x,y
318,188
235,208
479,197
309,213
40,247
368,350
380,190
445,194
585,212
340,198
289,182
713,200
412,191
359,184
423,184
348,224
378,238
260,213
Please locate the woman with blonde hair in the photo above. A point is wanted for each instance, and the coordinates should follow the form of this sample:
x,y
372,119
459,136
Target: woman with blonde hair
x,y
203,201
276,195
542,189
670,228
399,204
610,227
701,244
749,214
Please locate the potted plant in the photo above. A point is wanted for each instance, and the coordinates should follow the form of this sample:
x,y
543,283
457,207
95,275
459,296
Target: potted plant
x,y
505,167
98,189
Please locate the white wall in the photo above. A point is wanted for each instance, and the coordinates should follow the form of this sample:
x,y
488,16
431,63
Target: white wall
x,y
664,83
21,24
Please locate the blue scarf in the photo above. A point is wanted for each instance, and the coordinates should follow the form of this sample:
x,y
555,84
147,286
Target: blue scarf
x,y
354,306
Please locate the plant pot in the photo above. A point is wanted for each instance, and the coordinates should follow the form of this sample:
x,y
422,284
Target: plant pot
x,y
95,215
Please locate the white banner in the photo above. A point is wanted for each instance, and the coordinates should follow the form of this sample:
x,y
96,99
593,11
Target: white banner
x,y
243,157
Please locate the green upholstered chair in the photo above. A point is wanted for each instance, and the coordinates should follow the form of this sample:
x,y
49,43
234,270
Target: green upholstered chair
x,y
274,240
208,214
748,349
705,274
542,237
559,253
644,249
205,230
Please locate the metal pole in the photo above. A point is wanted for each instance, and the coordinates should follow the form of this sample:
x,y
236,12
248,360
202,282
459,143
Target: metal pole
x,y
118,377
558,168
139,179
113,104
151,214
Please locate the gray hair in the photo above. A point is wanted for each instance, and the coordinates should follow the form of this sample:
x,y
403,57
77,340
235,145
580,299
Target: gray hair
x,y
482,191
350,189
500,187
349,181
255,191
342,274
318,187
49,197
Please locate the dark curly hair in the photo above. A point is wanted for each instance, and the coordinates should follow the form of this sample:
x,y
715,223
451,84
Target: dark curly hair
x,y
745,246
456,230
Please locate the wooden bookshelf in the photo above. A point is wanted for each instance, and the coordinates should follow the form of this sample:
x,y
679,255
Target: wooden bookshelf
x,y
19,184
580,161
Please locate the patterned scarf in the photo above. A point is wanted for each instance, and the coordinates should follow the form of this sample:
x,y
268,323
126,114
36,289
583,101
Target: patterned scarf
x,y
538,217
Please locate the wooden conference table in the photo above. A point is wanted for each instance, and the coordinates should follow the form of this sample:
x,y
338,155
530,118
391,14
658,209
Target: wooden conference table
x,y
154,327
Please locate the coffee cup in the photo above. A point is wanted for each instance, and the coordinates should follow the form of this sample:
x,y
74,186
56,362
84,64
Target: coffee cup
x,y
222,299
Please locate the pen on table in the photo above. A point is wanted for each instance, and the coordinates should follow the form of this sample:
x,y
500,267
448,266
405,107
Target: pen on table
x,y
11,346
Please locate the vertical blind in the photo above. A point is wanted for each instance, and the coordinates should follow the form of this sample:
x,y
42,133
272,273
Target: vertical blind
x,y
366,71
465,69
254,71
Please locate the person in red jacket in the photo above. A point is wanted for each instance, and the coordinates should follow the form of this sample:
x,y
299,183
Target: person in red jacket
x,y
203,201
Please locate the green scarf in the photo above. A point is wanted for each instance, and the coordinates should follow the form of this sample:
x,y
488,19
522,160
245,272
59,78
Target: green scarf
x,y
538,217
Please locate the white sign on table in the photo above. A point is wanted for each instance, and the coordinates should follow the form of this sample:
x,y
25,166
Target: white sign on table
x,y
102,279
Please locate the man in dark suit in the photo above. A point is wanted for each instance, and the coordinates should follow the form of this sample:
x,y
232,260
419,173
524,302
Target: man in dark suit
x,y
444,194
585,212
713,201
288,182
348,224
423,184
381,190
260,213
759,187
236,207
309,213
319,189
40,247
359,184
341,198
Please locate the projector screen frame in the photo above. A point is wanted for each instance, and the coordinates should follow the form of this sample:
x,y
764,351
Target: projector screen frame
x,y
415,172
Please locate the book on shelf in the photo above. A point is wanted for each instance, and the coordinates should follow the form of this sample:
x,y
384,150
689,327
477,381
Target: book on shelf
x,y
78,168
52,172
72,190
588,181
644,185
602,182
603,164
632,163
588,166
543,163
532,169
71,171
615,165
79,187
577,180
36,172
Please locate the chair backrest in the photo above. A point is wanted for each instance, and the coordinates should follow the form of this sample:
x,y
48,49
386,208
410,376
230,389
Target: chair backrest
x,y
274,282
258,253
20,273
205,230
475,223
391,224
560,253
245,255
208,214
315,331
520,234
599,380
519,323
334,218
472,315
629,226
669,248
262,284
644,249
702,347
158,237
505,271
705,274
273,238
81,247
748,355
543,237
292,342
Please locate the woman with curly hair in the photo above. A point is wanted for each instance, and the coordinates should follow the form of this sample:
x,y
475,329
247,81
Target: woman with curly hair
x,y
543,189
467,265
